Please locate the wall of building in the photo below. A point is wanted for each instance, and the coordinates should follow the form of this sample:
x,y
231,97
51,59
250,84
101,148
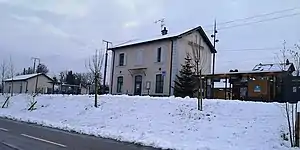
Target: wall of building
x,y
259,89
182,47
17,87
148,61
42,84
20,86
205,56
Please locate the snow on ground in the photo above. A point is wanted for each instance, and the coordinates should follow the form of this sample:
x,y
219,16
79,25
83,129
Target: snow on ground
x,y
161,122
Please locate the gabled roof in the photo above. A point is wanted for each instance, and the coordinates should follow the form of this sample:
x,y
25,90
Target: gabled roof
x,y
262,68
274,67
26,77
166,37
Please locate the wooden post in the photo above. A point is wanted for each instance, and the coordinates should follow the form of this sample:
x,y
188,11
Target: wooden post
x,y
225,88
205,88
231,86
297,134
274,87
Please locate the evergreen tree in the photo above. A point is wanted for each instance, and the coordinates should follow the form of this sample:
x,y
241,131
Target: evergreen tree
x,y
24,71
29,71
70,78
42,68
186,83
55,80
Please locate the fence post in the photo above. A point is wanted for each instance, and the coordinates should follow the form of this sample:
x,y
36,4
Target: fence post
x,y
297,129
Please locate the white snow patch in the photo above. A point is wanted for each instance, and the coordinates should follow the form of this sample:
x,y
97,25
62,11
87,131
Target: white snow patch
x,y
173,123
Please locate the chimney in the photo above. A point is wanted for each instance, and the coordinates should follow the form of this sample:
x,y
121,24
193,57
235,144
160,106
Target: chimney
x,y
164,31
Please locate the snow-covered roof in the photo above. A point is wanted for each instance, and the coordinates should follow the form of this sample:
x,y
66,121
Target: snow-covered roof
x,y
263,68
272,67
24,77
163,37
139,41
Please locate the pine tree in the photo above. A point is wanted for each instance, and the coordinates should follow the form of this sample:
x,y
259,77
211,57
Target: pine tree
x,y
42,68
185,83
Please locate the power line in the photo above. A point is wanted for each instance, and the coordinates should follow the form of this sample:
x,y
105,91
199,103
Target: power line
x,y
253,49
275,18
256,16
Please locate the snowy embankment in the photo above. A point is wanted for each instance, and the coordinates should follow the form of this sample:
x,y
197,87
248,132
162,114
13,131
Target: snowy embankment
x,y
160,122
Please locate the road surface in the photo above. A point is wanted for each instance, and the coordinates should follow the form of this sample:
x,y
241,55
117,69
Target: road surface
x,y
23,136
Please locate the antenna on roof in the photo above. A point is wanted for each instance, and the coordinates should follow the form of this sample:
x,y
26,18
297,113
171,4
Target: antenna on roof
x,y
163,30
162,23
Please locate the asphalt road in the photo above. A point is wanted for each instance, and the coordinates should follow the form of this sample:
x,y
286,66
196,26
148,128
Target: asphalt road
x,y
23,136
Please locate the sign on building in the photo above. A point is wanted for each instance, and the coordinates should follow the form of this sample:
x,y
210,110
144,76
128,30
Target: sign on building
x,y
257,89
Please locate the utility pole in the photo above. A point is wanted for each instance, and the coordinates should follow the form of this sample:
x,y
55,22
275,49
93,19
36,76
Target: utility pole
x,y
34,62
37,77
105,65
214,35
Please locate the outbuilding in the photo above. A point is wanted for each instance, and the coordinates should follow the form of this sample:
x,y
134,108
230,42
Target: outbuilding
x,y
30,83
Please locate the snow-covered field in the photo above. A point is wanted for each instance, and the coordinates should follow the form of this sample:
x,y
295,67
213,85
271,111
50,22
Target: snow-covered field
x,y
161,122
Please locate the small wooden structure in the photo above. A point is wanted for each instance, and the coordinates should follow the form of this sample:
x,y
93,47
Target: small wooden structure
x,y
262,83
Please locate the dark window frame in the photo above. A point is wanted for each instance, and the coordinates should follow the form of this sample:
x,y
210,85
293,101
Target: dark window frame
x,y
158,54
120,82
159,83
122,61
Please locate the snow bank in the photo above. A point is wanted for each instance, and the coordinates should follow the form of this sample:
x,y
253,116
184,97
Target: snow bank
x,y
161,122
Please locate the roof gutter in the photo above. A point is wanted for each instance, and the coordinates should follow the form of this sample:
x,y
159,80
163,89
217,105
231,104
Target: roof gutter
x,y
112,72
171,62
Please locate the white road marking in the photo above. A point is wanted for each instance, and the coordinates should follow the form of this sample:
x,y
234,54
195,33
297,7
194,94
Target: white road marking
x,y
2,129
11,146
43,140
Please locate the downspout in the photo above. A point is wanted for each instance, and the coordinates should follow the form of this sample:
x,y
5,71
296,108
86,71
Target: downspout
x,y
171,62
12,87
53,86
112,72
26,88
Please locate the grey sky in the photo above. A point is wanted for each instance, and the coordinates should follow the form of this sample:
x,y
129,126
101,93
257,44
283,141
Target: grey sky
x,y
64,33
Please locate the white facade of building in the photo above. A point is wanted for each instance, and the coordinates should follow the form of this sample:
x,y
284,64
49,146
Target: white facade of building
x,y
28,84
150,66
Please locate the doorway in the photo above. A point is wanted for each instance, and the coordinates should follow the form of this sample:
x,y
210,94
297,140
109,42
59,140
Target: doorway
x,y
138,80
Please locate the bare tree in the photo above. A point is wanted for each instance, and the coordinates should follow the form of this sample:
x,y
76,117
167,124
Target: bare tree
x,y
294,54
200,62
11,73
95,65
290,109
3,74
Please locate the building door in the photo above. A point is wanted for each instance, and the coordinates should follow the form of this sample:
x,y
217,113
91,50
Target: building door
x,y
138,85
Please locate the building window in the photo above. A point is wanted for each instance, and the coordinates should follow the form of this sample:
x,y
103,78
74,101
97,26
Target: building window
x,y
139,57
119,84
158,55
122,59
159,87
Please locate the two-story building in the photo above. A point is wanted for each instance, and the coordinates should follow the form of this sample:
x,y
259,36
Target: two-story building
x,y
149,67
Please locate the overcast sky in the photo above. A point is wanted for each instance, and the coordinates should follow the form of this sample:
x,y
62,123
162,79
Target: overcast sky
x,y
64,33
